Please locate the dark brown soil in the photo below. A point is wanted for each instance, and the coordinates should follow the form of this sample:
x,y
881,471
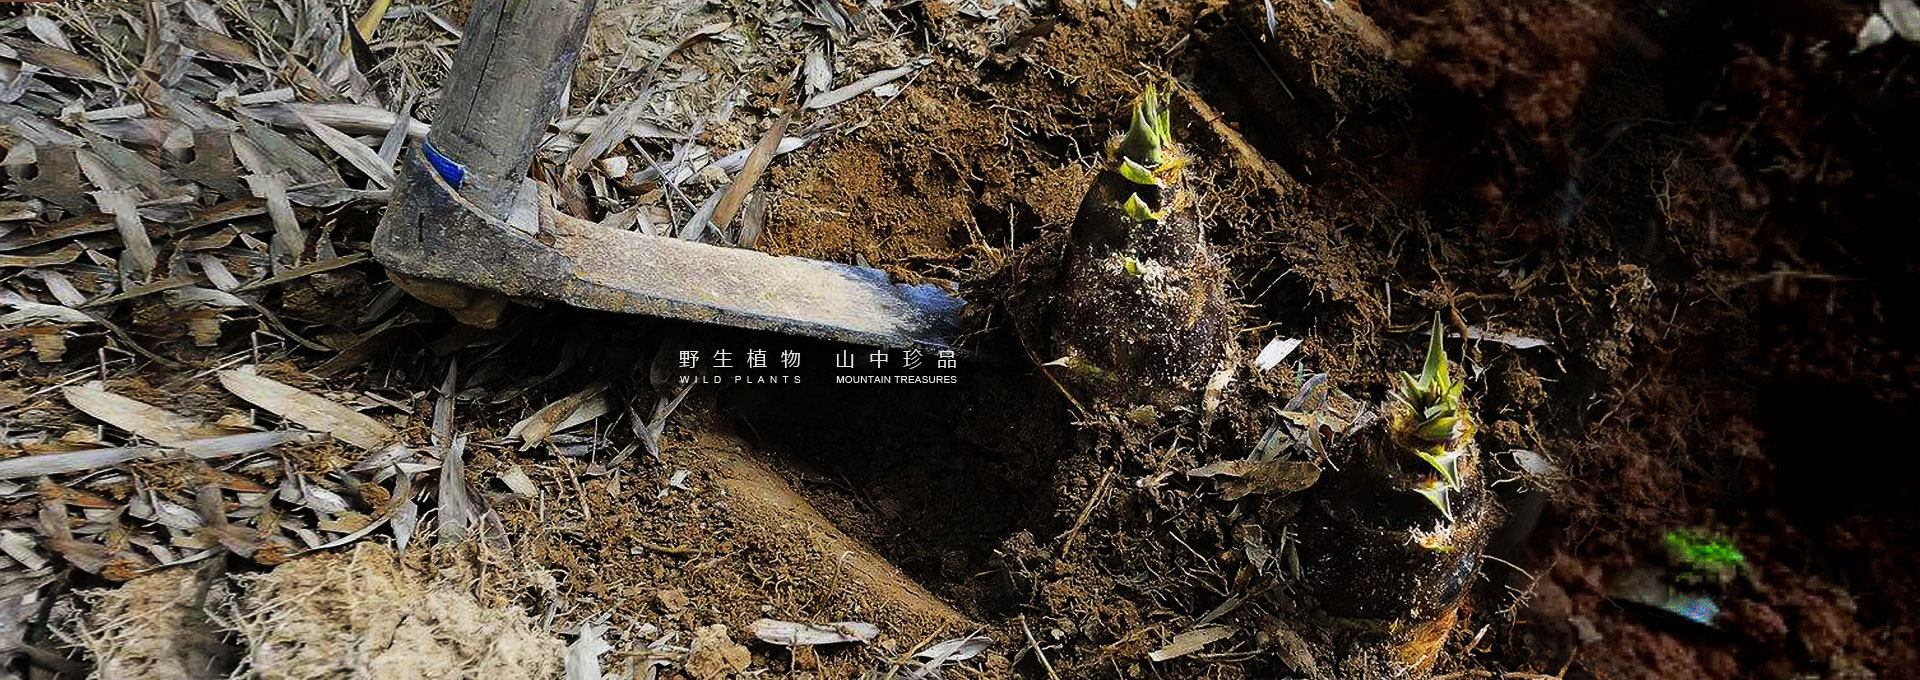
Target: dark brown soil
x,y
1636,185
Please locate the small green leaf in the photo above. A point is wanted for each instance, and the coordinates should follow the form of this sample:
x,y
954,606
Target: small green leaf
x,y
1438,429
1409,387
1078,365
1138,210
1132,266
1447,464
1137,173
1704,556
1437,494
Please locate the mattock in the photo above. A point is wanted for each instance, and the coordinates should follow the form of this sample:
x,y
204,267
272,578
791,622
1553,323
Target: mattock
x,y
467,229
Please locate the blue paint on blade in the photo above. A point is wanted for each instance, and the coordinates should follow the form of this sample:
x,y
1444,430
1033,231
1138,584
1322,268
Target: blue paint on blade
x,y
454,173
1699,608
933,302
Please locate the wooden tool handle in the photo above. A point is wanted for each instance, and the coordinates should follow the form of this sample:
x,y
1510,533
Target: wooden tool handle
x,y
508,76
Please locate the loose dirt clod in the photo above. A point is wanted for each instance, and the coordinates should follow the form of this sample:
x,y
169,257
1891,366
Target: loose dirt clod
x,y
672,600
361,614
714,655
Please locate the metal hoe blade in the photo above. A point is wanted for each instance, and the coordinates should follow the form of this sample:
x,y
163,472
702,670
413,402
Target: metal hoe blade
x,y
462,214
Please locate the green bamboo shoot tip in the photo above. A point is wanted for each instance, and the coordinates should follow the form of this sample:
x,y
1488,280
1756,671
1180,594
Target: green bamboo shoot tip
x,y
1151,131
1434,396
1434,373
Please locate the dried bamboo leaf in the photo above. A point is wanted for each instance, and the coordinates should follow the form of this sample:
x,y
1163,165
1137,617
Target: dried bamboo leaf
x,y
62,289
590,125
518,482
583,656
193,114
216,272
194,297
544,422
458,511
696,226
139,291
396,136
19,547
153,133
594,408
64,63
819,74
663,408
269,152
1274,352
402,488
757,161
952,650
297,490
309,410
304,271
1246,477
48,31
162,60
15,211
363,158
206,449
125,111
1190,642
605,138
215,46
165,513
29,312
245,443
289,241
138,259
753,223
74,461
353,119
143,419
62,256
96,223
859,87
37,131
205,16
1513,340
405,519
99,172
790,634
86,556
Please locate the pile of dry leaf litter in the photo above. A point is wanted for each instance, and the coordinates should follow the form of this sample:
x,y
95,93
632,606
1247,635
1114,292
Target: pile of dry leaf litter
x,y
184,283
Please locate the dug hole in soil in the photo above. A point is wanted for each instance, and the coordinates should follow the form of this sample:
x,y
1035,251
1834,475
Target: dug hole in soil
x,y
1665,242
